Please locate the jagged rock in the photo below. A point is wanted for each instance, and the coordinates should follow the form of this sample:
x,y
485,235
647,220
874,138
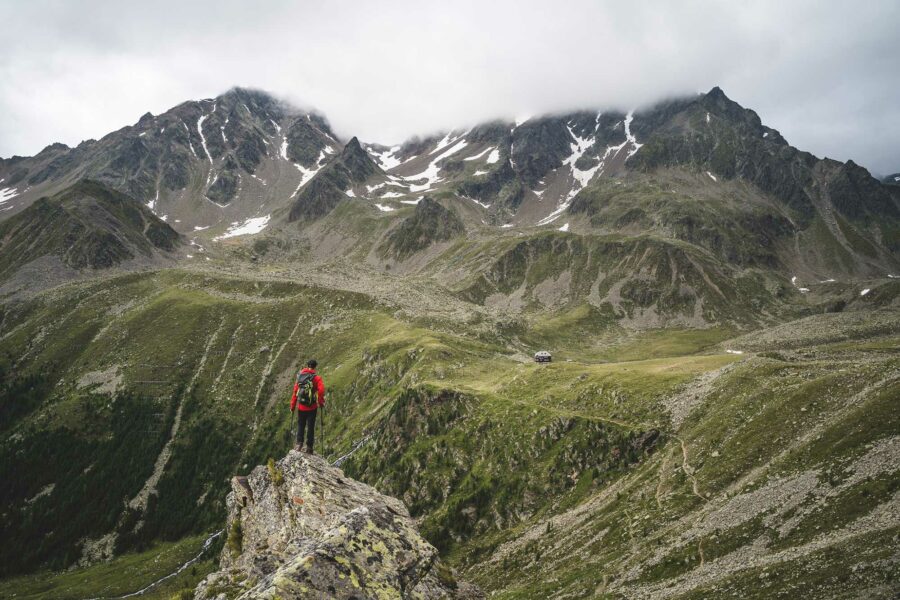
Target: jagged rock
x,y
429,223
328,188
299,528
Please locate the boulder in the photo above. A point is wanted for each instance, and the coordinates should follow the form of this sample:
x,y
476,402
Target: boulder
x,y
299,528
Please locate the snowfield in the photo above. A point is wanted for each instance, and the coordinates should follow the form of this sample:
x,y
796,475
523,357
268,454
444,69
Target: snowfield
x,y
8,194
386,160
248,227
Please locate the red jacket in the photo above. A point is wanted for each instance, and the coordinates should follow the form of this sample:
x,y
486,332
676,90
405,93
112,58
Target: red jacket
x,y
320,387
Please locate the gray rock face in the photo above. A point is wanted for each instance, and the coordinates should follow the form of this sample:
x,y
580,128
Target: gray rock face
x,y
299,528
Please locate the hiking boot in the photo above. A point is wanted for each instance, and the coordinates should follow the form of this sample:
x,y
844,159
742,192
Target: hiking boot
x,y
309,450
298,448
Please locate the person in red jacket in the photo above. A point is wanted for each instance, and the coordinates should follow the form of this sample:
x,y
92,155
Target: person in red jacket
x,y
309,395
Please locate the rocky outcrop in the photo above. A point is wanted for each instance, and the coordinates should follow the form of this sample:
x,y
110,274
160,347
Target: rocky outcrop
x,y
430,223
299,528
329,187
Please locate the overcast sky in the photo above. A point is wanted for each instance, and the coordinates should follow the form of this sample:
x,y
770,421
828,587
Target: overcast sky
x,y
824,73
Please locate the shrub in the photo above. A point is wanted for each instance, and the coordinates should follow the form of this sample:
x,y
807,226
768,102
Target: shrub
x,y
236,537
275,473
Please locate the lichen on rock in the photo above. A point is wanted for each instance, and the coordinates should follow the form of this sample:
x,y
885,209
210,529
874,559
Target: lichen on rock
x,y
334,538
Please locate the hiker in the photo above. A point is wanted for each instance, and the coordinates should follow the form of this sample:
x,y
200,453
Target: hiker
x,y
309,395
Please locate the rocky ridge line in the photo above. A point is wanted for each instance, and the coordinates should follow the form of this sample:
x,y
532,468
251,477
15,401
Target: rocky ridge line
x,y
299,528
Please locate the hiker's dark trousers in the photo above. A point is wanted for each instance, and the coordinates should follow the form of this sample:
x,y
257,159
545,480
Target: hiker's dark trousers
x,y
306,419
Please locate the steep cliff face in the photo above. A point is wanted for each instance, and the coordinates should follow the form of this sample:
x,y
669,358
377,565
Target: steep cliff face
x,y
299,528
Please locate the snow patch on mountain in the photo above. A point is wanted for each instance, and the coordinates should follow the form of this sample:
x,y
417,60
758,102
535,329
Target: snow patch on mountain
x,y
209,176
629,137
384,208
151,204
307,174
202,137
581,145
581,177
432,173
478,202
7,194
444,142
494,156
188,129
249,227
482,153
386,159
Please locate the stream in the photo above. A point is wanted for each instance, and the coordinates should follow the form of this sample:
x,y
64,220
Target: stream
x,y
147,588
359,444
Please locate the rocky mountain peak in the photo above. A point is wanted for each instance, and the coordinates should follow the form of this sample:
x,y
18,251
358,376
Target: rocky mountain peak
x,y
300,528
145,119
716,93
358,162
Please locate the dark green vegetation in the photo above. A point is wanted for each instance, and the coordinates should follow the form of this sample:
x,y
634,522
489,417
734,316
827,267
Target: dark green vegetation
x,y
430,223
88,225
122,575
503,460
720,417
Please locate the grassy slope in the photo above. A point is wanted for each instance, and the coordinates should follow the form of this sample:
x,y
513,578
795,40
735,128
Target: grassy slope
x,y
712,515
124,575
484,448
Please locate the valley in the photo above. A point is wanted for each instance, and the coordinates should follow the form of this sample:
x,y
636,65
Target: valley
x,y
723,312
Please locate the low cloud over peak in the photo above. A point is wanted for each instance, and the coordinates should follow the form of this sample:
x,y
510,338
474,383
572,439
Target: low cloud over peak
x,y
824,75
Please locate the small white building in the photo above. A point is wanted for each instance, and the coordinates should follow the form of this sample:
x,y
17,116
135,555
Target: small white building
x,y
542,356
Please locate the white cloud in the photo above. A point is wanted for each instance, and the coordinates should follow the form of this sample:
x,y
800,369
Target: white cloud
x,y
822,74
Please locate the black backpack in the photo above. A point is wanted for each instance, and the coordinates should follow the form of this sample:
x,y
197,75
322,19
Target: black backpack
x,y
306,392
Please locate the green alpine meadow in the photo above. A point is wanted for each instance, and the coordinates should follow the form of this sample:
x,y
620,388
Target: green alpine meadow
x,y
588,354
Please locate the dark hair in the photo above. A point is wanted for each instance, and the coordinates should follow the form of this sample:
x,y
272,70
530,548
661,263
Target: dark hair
x,y
311,363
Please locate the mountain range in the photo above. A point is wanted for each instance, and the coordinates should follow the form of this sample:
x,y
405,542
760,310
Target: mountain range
x,y
723,311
